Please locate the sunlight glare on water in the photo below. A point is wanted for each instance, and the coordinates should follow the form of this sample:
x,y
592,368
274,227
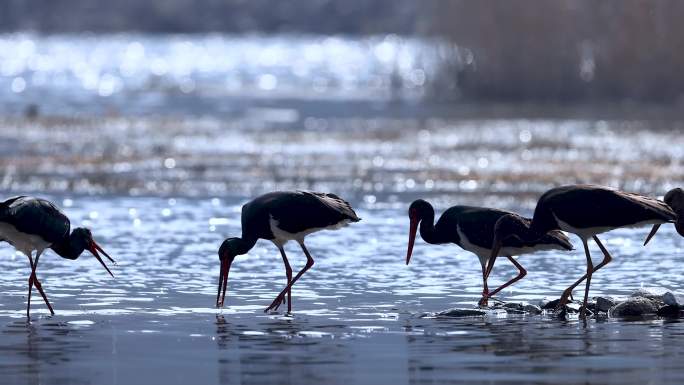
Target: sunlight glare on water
x,y
155,142
358,304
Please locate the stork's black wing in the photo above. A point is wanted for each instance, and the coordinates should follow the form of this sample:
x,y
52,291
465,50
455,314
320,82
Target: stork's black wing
x,y
35,216
297,211
336,204
593,206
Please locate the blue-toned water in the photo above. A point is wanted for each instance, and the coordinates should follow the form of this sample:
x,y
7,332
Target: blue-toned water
x,y
358,314
155,142
210,74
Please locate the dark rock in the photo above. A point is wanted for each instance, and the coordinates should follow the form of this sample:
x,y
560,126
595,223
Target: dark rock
x,y
513,305
514,311
514,308
634,307
671,299
659,294
573,307
648,292
456,312
550,305
603,304
532,309
517,308
672,311
591,306
591,309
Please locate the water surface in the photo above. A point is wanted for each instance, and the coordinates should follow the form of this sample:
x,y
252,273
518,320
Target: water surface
x,y
155,142
359,312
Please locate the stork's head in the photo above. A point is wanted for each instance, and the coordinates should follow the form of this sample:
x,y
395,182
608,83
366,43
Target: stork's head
x,y
675,199
82,239
418,210
230,248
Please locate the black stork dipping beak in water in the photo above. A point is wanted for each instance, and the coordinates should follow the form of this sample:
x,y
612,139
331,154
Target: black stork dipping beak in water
x,y
33,225
472,228
675,199
280,217
587,210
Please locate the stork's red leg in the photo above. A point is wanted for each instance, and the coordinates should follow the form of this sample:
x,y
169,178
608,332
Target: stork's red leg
x,y
42,293
279,299
590,271
587,276
521,273
485,290
33,279
606,259
288,273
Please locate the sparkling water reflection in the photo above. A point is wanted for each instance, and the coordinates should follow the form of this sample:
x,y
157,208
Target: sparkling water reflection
x,y
134,74
357,312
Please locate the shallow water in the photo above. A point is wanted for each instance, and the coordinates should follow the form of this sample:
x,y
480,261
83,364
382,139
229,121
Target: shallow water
x,y
357,312
122,130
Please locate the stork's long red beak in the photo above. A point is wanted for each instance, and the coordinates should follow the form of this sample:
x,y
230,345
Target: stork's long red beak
x,y
223,281
94,248
412,238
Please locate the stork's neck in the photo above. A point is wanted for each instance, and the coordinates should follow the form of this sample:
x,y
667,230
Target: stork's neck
x,y
543,221
427,226
69,247
244,244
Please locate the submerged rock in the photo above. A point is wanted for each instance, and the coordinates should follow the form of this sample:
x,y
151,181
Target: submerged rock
x,y
573,307
634,307
549,305
657,294
671,299
603,304
514,307
672,311
519,308
532,309
457,312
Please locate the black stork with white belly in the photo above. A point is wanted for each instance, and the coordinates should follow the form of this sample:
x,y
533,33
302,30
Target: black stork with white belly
x,y
280,217
33,225
472,228
588,210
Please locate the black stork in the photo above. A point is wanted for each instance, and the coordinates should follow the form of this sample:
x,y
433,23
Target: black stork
x,y
33,225
588,210
280,217
472,228
675,199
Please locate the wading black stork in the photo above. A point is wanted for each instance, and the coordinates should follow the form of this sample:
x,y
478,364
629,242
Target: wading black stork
x,y
587,210
280,217
33,225
472,228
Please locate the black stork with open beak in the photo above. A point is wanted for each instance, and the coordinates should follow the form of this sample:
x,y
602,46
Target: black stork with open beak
x,y
588,210
280,217
33,225
472,228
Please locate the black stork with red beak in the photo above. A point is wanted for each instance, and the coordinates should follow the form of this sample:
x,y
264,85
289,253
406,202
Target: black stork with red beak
x,y
588,210
472,228
280,217
33,225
